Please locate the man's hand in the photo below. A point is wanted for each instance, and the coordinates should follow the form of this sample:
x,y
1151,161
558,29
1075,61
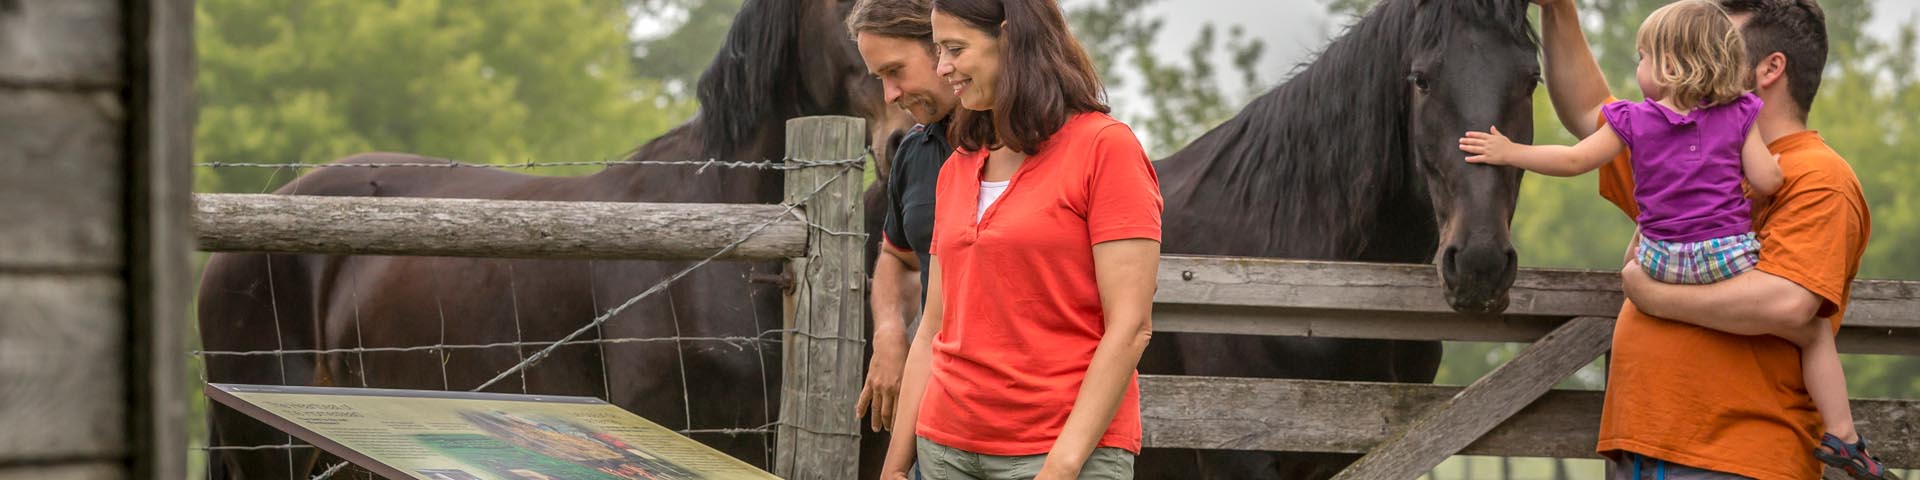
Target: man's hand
x,y
882,391
1633,248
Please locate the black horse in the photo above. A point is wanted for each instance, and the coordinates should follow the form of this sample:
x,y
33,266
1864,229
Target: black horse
x,y
1356,158
781,59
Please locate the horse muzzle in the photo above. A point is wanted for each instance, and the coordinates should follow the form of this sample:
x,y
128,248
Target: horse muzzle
x,y
1477,278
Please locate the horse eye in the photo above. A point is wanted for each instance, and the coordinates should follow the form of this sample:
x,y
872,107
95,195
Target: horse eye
x,y
1419,81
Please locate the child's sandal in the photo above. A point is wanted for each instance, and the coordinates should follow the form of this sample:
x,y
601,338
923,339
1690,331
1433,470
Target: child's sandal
x,y
1852,459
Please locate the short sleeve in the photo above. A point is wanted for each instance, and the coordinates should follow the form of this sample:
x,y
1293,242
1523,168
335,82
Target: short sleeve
x,y
1616,177
1747,108
1814,238
1619,115
1123,190
893,230
950,198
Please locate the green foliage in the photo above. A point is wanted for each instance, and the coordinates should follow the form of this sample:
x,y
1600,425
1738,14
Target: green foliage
x,y
678,57
489,82
1183,96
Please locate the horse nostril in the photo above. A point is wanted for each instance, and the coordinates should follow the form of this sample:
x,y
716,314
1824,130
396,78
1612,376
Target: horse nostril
x,y
1447,270
1513,259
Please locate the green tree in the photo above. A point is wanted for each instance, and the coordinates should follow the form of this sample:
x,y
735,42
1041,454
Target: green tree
x,y
1183,97
677,57
490,82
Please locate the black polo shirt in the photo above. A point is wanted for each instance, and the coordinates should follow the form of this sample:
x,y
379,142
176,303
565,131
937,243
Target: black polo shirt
x,y
910,188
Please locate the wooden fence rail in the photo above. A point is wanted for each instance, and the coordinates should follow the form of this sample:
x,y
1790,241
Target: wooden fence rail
x,y
1258,296
494,228
1354,417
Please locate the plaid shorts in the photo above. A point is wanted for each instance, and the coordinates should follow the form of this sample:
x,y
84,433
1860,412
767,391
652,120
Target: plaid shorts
x,y
1698,263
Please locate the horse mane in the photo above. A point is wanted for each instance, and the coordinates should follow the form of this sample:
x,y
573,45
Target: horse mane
x,y
1507,16
1325,150
752,78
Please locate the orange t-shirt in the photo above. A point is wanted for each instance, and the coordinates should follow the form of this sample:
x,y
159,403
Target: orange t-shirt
x,y
1022,307
1732,403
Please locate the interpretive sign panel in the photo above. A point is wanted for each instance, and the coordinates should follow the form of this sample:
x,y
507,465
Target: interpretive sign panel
x,y
436,435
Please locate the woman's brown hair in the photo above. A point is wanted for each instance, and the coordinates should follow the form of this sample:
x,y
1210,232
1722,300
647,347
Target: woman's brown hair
x,y
1045,75
1699,58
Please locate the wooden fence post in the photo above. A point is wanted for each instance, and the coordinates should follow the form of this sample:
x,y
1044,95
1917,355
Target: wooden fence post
x,y
819,436
96,121
160,238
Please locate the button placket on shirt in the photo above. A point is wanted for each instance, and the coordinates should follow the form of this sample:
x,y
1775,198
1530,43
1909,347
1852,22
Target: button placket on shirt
x,y
978,177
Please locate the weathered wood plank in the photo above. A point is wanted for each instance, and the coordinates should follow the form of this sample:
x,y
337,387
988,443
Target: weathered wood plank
x,y
493,228
819,436
1455,422
61,44
1260,282
1354,417
1235,320
1301,322
60,178
1247,286
161,112
77,471
62,367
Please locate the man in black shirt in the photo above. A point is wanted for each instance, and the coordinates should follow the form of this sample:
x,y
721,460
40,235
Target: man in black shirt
x,y
895,38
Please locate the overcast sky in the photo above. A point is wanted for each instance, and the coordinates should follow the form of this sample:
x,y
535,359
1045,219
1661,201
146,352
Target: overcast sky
x,y
1294,29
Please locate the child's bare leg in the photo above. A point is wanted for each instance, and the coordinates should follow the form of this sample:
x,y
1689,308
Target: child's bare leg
x,y
1826,382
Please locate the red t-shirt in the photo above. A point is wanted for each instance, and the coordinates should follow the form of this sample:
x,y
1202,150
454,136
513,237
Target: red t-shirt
x,y
1022,307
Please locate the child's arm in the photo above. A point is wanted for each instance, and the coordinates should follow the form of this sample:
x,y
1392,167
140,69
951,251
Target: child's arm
x,y
1556,160
1761,166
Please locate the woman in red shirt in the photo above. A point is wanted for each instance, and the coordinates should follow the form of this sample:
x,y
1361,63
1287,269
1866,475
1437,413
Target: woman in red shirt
x,y
1046,243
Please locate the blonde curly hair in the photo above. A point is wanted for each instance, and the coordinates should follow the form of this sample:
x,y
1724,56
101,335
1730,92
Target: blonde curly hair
x,y
1699,58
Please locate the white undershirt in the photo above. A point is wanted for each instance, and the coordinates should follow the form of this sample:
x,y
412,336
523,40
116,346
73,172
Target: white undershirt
x,y
989,192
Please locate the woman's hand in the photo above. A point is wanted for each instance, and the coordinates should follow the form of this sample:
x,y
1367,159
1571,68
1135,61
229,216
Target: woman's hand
x,y
1056,470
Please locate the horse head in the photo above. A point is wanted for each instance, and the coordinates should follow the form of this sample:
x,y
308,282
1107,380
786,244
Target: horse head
x,y
1472,64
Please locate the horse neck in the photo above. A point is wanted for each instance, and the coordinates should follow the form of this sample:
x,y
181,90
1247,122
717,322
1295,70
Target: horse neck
x,y
1319,152
699,183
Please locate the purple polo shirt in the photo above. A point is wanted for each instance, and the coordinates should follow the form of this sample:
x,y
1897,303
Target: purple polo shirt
x,y
1686,168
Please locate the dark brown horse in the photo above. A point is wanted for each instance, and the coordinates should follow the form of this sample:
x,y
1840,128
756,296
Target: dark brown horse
x,y
1356,158
782,59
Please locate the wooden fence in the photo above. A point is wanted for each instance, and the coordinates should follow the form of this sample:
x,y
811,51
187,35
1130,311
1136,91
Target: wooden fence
x,y
818,236
1404,429
1407,429
95,126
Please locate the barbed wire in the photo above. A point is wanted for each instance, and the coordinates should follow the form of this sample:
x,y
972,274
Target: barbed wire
x,y
782,164
663,284
736,341
548,347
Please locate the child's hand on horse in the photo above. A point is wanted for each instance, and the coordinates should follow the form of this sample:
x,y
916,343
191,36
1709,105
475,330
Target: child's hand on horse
x,y
1488,148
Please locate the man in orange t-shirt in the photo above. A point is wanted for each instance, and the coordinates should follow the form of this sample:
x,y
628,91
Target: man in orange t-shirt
x,y
1687,402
